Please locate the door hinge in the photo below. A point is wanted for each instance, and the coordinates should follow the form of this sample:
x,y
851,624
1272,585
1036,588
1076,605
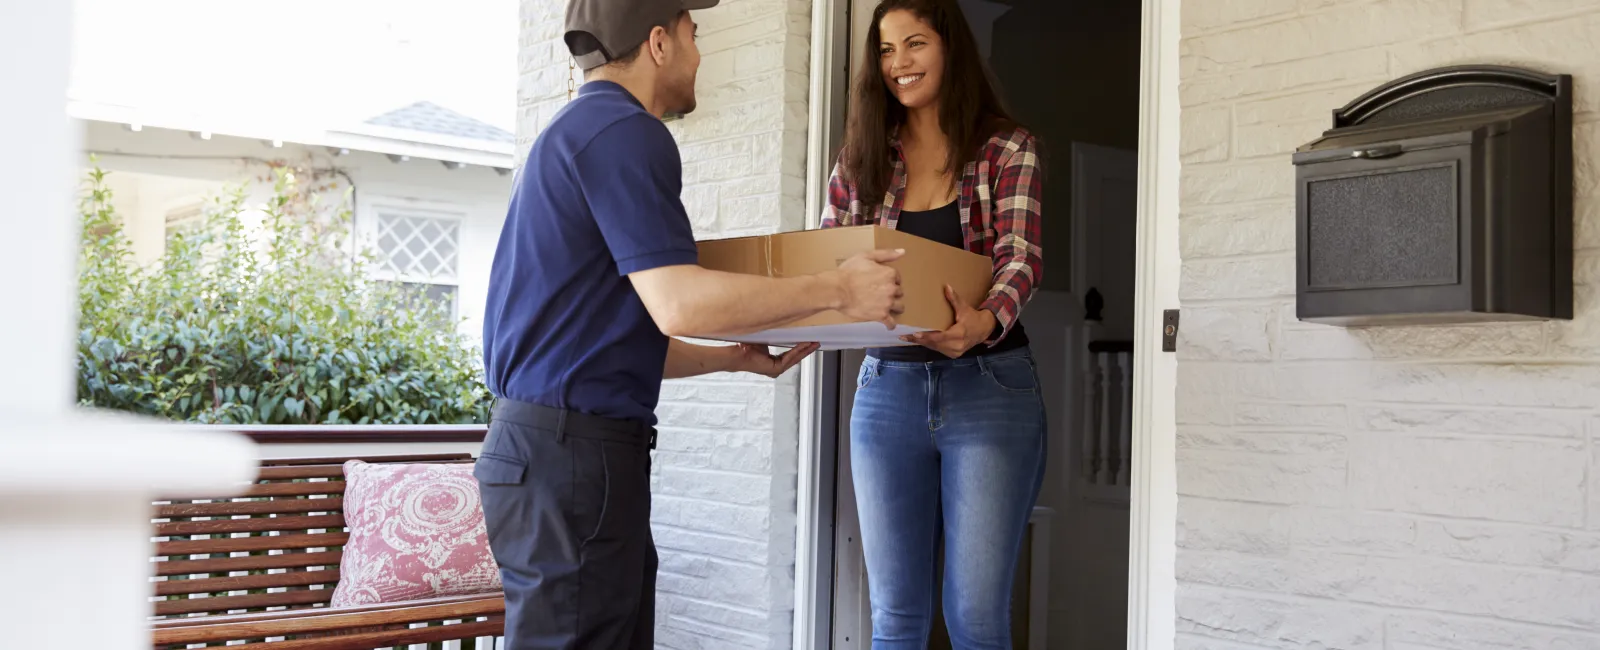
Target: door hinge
x,y
1169,330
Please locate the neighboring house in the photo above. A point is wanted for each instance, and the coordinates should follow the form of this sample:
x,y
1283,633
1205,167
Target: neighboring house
x,y
1394,488
430,185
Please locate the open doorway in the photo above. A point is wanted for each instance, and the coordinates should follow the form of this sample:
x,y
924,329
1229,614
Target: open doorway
x,y
1070,71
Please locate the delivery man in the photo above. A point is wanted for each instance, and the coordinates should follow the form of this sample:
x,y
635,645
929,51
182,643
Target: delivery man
x,y
596,267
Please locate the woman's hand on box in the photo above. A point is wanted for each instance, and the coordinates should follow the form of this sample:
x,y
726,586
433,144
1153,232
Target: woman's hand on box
x,y
972,327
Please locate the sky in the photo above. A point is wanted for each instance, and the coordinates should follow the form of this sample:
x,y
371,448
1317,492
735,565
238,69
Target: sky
x,y
320,63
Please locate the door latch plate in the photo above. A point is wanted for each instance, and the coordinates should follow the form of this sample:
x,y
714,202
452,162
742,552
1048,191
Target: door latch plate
x,y
1169,330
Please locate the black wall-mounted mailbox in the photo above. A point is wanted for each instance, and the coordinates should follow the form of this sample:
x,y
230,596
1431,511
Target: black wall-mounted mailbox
x,y
1444,196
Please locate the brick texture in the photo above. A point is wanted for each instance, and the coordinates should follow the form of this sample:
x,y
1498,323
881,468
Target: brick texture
x,y
724,474
1394,488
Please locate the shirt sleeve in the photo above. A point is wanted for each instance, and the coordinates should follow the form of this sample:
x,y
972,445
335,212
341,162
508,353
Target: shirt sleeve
x,y
632,179
1018,258
841,195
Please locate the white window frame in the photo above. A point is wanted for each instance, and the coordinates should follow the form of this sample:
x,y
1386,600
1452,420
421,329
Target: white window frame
x,y
368,232
185,215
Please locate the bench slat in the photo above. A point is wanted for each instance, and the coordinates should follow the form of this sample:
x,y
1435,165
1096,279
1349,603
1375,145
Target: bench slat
x,y
273,507
271,624
244,583
287,472
403,636
294,489
250,563
237,544
252,601
253,525
340,460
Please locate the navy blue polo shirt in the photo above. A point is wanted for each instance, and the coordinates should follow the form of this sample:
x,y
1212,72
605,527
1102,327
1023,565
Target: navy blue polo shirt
x,y
597,199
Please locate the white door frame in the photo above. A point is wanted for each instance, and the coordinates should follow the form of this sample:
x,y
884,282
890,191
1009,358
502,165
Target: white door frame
x,y
1153,516
817,455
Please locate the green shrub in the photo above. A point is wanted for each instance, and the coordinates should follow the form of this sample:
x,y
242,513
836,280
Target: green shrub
x,y
279,328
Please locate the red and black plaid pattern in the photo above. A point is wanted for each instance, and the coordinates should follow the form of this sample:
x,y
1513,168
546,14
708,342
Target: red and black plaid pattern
x,y
1001,188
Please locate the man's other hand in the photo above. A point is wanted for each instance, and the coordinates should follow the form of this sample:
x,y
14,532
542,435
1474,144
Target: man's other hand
x,y
755,358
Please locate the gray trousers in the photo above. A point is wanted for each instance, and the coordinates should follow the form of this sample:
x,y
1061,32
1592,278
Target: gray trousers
x,y
566,499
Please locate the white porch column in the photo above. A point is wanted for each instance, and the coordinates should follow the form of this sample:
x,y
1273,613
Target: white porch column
x,y
75,491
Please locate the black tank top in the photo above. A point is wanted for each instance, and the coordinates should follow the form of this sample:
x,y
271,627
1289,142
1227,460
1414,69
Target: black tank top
x,y
942,225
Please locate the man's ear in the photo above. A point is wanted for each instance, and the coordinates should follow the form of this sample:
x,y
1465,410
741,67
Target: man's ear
x,y
658,44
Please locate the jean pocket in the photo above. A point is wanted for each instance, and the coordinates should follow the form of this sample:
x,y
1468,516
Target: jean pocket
x,y
499,470
1016,375
869,371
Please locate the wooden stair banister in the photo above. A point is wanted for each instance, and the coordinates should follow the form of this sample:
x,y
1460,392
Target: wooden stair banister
x,y
1105,441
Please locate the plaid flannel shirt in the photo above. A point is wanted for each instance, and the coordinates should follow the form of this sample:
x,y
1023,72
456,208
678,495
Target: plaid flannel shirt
x,y
1002,188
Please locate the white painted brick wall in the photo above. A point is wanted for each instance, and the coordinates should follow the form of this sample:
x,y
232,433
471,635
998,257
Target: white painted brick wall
x,y
1399,488
725,470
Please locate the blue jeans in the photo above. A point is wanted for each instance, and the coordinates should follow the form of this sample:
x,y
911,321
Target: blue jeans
x,y
951,450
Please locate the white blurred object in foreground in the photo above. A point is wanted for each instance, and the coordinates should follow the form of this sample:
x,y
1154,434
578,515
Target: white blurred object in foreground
x,y
75,489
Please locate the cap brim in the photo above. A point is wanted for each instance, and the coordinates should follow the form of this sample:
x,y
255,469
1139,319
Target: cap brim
x,y
697,5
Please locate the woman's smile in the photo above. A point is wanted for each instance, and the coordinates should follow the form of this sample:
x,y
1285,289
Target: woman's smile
x,y
905,81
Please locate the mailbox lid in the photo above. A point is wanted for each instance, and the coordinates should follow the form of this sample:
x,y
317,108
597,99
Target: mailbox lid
x,y
1390,140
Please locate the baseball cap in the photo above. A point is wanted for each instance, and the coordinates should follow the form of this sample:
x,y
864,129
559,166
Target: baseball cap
x,y
598,31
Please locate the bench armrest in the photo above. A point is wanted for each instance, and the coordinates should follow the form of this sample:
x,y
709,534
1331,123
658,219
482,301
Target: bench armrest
x,y
352,628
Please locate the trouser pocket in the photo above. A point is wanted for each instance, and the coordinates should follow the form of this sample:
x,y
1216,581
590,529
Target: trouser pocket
x,y
499,470
569,524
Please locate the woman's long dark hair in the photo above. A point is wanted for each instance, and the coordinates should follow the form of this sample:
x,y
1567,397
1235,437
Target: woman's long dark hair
x,y
970,110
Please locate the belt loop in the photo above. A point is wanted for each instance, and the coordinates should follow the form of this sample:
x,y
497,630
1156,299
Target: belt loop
x,y
561,425
983,364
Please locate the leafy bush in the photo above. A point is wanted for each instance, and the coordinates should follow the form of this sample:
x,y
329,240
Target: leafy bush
x,y
279,327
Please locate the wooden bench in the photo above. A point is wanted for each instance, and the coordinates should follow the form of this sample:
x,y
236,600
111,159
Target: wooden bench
x,y
261,568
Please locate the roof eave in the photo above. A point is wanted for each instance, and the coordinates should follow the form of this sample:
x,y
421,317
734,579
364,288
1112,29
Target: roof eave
x,y
370,138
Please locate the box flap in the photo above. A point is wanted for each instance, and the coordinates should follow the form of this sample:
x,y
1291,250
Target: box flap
x,y
747,255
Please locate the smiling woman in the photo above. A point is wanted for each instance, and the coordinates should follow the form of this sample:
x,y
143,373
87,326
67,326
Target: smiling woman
x,y
927,58
947,436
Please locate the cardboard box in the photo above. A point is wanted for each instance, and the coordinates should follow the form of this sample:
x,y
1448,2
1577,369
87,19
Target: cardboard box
x,y
924,270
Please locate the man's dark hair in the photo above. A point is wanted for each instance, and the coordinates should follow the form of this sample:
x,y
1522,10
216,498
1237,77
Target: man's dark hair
x,y
627,58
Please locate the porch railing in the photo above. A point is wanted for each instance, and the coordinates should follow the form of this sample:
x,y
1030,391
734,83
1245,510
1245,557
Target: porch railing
x,y
318,441
330,434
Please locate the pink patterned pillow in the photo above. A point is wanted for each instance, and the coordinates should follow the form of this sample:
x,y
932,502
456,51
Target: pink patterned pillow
x,y
416,531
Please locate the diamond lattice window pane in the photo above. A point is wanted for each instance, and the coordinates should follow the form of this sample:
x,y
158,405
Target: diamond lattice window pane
x,y
419,248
